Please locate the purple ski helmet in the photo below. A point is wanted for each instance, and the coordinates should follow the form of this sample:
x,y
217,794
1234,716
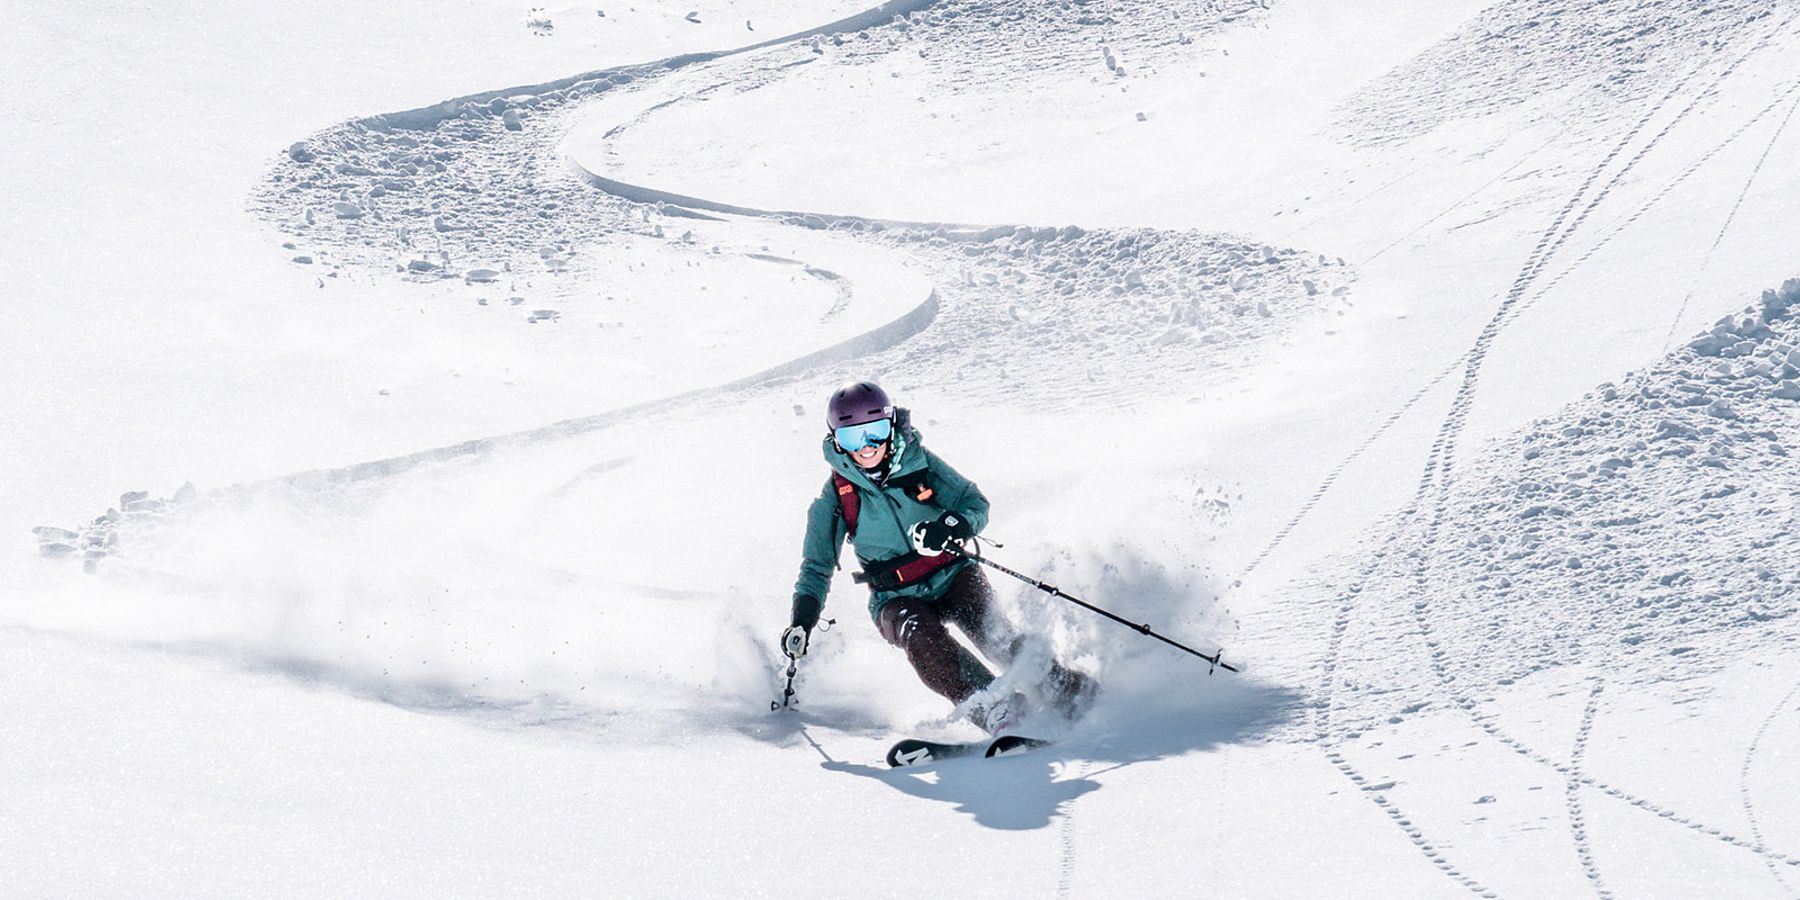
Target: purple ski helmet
x,y
856,403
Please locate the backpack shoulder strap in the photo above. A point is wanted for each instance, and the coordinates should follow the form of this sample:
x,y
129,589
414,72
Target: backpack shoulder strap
x,y
849,503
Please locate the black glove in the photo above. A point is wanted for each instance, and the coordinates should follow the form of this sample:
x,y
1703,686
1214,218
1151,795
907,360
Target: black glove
x,y
796,637
806,611
930,538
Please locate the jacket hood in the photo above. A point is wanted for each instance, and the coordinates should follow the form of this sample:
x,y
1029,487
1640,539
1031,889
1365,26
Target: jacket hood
x,y
907,452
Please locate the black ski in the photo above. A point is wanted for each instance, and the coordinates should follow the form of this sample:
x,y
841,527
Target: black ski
x,y
915,752
1009,744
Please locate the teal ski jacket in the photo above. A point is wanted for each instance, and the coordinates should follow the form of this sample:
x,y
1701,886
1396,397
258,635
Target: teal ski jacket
x,y
888,513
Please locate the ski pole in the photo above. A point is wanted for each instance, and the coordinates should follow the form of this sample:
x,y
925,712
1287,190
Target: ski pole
x,y
1213,661
787,693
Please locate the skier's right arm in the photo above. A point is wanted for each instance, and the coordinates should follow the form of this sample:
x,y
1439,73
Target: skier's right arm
x,y
818,556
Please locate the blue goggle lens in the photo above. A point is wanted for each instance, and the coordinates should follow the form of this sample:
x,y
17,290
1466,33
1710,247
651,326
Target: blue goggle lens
x,y
852,438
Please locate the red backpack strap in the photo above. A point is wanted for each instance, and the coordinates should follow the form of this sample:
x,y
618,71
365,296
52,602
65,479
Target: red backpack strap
x,y
849,503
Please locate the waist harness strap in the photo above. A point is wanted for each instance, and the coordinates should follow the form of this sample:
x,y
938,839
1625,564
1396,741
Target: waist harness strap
x,y
892,574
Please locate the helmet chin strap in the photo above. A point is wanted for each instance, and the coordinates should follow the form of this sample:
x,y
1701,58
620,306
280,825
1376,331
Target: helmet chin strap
x,y
896,446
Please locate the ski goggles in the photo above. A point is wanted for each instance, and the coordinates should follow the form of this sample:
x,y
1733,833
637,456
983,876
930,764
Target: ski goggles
x,y
852,438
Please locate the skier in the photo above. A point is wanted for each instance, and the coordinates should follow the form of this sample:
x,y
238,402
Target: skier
x,y
904,510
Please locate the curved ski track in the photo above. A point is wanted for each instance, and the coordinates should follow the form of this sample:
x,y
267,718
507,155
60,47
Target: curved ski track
x,y
883,338
1744,783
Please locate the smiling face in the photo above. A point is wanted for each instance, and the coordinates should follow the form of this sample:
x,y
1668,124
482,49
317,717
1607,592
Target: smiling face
x,y
871,456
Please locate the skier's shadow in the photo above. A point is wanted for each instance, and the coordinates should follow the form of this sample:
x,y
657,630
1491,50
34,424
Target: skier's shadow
x,y
1030,790
1015,794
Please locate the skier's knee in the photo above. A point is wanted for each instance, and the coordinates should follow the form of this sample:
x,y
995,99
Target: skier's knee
x,y
901,622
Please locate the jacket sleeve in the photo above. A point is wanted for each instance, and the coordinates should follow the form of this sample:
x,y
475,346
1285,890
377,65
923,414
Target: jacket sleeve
x,y
824,540
958,494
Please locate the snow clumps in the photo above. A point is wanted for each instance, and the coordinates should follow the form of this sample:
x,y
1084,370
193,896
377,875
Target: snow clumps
x,y
479,172
966,40
1097,316
137,514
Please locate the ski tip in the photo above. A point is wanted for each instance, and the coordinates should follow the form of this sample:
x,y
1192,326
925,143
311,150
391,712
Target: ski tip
x,y
913,752
898,758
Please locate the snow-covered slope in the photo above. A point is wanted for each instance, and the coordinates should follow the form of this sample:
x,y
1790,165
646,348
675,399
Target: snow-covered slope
x,y
1355,341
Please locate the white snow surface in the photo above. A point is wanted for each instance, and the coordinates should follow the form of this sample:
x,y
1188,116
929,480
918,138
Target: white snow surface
x,y
462,369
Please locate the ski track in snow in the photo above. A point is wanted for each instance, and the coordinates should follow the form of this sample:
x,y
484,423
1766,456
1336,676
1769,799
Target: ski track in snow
x,y
1460,201
1114,291
1578,826
1453,424
1744,794
1065,841
1743,358
1337,470
874,341
1686,298
1668,188
1328,742
846,290
1487,725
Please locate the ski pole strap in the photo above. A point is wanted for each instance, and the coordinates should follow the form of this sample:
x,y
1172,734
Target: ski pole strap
x,y
896,573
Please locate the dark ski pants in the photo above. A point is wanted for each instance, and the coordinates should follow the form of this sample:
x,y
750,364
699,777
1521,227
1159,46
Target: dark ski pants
x,y
918,627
